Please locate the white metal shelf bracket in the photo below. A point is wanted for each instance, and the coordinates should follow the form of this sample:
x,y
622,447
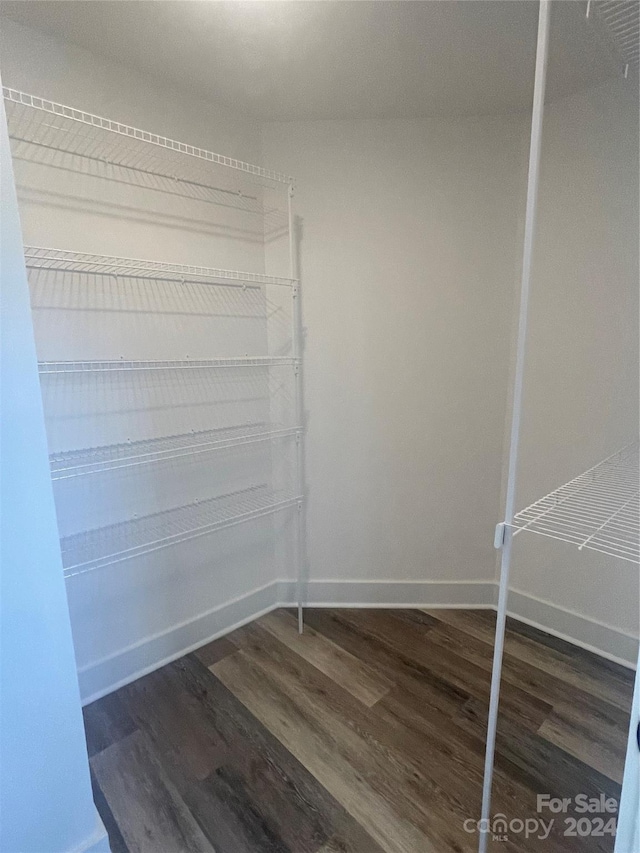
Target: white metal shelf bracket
x,y
498,539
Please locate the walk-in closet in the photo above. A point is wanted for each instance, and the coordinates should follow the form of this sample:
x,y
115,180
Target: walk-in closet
x,y
320,393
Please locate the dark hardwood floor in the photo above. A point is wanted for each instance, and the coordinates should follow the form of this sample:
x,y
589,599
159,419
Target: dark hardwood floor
x,y
364,735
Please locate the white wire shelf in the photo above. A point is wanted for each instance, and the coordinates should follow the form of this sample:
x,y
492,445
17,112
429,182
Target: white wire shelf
x,y
599,510
54,126
66,367
94,460
95,549
65,261
622,22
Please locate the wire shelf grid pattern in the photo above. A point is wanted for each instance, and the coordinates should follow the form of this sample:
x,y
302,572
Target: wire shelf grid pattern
x,y
622,21
93,460
57,367
62,260
86,134
51,134
94,549
599,510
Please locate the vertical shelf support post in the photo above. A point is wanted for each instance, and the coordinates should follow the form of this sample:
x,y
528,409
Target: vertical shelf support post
x,y
505,564
300,543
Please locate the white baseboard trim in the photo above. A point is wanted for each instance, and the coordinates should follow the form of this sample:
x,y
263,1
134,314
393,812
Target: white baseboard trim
x,y
97,842
390,593
115,670
107,674
126,665
581,631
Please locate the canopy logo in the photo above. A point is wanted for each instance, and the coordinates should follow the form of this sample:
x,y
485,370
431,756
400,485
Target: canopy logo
x,y
595,818
501,828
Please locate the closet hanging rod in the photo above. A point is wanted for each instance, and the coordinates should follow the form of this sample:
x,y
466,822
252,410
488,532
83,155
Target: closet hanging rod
x,y
62,260
95,460
105,546
82,118
57,367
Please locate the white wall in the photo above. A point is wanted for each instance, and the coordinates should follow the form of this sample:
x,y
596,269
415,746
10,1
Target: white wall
x,y
45,789
409,251
131,615
408,256
581,383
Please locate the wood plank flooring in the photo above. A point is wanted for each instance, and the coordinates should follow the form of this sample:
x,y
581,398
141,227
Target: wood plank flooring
x,y
364,735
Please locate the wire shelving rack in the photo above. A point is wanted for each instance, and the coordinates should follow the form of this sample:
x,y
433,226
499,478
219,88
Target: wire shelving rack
x,y
45,124
621,19
599,510
51,134
60,260
120,365
94,460
105,546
